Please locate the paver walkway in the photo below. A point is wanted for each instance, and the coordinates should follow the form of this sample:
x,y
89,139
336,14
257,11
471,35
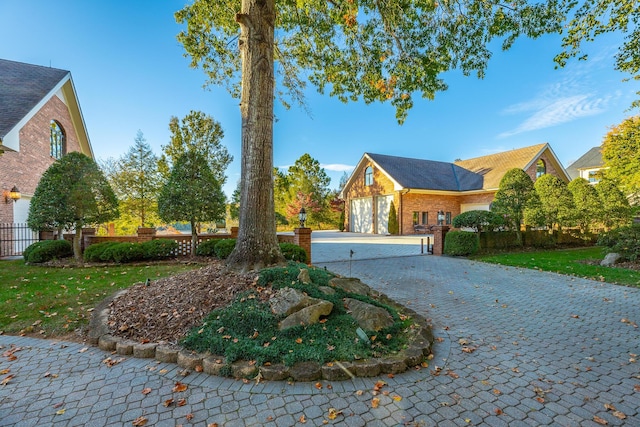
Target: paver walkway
x,y
515,347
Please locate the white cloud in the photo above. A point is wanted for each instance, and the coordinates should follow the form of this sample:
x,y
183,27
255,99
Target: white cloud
x,y
337,167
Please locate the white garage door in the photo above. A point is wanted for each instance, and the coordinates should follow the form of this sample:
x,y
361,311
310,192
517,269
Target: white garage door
x,y
361,218
383,205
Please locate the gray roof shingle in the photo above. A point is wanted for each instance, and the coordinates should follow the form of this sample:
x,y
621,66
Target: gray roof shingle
x,y
592,159
22,86
428,174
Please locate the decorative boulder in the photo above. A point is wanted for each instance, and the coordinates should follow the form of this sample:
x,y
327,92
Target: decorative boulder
x,y
610,259
354,286
289,300
369,317
308,315
304,277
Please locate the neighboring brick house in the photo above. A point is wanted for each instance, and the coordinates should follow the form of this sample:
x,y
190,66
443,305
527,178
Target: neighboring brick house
x,y
40,120
589,166
421,188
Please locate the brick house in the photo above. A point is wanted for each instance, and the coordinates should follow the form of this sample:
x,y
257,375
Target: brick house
x,y
420,188
40,120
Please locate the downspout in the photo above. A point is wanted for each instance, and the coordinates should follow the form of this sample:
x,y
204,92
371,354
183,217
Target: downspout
x,y
401,211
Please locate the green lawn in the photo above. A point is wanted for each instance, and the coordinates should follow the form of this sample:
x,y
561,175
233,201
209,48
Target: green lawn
x,y
54,301
567,261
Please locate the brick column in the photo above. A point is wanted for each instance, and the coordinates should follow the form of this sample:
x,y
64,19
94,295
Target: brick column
x,y
146,233
302,238
439,231
234,232
87,235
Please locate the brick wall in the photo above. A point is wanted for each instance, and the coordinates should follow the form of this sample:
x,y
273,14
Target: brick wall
x,y
430,203
24,168
551,166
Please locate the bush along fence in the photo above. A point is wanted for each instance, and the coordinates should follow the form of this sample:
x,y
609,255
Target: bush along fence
x,y
300,237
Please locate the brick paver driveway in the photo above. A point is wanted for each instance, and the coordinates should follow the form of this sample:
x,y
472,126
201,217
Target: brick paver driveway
x,y
515,347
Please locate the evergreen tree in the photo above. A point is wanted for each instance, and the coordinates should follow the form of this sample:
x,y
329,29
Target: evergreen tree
x,y
393,227
515,194
556,201
615,208
587,204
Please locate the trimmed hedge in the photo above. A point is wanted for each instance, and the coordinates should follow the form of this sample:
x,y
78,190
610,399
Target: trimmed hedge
x,y
94,253
207,248
293,252
47,250
224,248
159,248
461,243
478,220
624,241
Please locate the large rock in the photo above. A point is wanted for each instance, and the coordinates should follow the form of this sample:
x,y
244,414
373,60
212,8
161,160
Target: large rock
x,y
354,286
288,300
610,259
368,316
308,315
304,277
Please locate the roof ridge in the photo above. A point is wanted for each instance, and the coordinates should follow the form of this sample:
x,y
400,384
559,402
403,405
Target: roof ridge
x,y
502,153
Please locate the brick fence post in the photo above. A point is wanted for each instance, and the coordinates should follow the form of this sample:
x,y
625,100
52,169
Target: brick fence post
x,y
302,238
234,232
87,235
439,231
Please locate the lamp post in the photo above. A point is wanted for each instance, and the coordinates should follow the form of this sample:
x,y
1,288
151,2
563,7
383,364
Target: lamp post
x,y
302,216
440,217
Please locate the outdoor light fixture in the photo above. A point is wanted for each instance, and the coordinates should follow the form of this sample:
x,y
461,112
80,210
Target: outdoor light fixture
x,y
12,195
302,216
440,217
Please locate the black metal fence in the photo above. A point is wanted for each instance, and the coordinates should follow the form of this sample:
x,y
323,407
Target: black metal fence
x,y
14,238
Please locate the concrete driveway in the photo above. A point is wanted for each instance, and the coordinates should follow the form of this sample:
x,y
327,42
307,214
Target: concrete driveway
x,y
514,348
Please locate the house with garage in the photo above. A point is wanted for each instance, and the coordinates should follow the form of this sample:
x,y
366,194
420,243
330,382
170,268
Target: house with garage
x,y
419,189
40,121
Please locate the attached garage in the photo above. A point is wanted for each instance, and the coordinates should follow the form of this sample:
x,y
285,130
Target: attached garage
x,y
383,205
361,215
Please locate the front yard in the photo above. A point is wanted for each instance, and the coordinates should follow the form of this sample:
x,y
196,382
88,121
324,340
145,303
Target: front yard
x,y
574,262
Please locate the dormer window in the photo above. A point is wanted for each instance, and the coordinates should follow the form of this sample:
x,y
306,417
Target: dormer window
x,y
57,140
541,168
368,176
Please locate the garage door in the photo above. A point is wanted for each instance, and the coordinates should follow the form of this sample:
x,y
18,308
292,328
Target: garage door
x,y
383,205
361,218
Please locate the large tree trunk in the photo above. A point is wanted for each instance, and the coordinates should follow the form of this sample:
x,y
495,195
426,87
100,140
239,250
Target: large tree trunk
x,y
257,243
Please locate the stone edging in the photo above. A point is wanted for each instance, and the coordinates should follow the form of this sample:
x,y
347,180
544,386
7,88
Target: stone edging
x,y
419,348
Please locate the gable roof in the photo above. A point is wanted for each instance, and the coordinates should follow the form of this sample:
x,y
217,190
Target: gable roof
x,y
427,174
24,89
592,159
493,166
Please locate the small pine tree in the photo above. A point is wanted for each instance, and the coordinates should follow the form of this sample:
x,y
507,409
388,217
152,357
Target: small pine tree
x,y
394,227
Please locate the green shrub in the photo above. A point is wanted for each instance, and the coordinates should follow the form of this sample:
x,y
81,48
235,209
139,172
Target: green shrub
x,y
125,252
461,243
224,248
478,220
47,250
207,248
159,248
94,252
624,241
293,252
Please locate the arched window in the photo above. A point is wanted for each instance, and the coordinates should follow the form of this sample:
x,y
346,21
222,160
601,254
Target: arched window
x,y
541,168
57,140
368,176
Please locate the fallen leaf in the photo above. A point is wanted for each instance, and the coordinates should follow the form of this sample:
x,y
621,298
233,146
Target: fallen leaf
x,y
333,413
179,387
6,380
636,387
575,316
298,340
397,398
497,392
164,371
359,392
468,349
140,421
619,415
375,402
189,417
60,411
540,399
146,391
453,375
378,385
600,420
181,402
609,406
498,411
212,425
168,403
318,386
302,419
199,368
83,349
5,371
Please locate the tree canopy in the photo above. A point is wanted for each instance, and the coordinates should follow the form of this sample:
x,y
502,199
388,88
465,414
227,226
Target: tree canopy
x,y
621,155
191,194
556,202
73,192
515,194
614,206
587,205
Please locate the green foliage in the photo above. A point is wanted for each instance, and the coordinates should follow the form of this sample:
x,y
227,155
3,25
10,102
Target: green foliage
x,y
614,205
461,243
159,248
621,154
587,204
207,248
224,247
341,226
556,201
47,250
136,182
478,220
624,241
393,226
199,133
95,252
293,252
515,194
125,252
247,329
72,192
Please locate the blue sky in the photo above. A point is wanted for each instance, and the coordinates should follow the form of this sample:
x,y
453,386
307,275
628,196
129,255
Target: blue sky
x,y
130,74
